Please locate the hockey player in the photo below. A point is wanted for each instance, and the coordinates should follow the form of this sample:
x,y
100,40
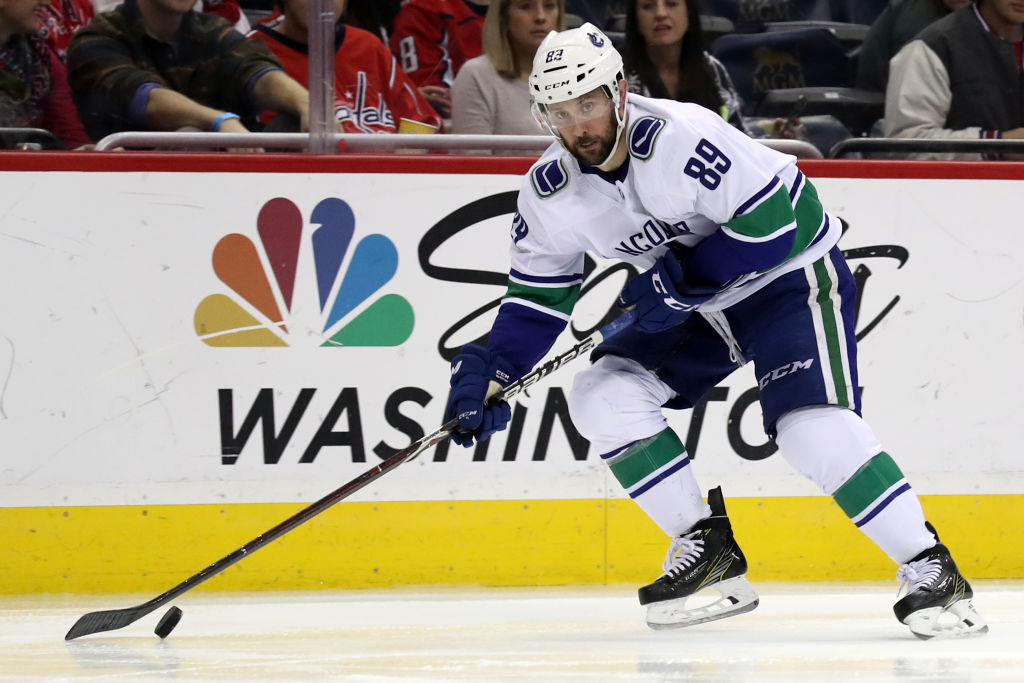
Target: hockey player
x,y
739,264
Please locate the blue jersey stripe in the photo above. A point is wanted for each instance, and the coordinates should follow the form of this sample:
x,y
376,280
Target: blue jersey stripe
x,y
798,182
758,196
546,279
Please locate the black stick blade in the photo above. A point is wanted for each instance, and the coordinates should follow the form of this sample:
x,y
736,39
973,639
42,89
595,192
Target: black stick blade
x,y
109,620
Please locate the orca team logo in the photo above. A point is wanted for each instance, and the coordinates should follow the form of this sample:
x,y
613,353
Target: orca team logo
x,y
298,287
597,40
643,135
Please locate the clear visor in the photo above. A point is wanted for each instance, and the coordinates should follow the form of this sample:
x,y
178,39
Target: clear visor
x,y
594,105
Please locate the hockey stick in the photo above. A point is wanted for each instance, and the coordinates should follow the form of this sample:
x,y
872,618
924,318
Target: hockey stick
x,y
110,620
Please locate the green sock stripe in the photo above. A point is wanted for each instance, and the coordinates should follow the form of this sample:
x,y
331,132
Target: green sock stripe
x,y
646,457
865,487
831,330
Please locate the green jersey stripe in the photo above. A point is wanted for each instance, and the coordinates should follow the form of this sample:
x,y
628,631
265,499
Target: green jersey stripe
x,y
771,216
559,299
776,214
867,485
810,218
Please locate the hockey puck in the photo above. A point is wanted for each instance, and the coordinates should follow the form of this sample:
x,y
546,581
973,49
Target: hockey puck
x,y
168,622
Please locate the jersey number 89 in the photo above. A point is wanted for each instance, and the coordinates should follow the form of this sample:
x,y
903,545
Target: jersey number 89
x,y
709,174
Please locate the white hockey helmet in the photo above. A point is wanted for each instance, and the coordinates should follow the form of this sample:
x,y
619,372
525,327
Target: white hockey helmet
x,y
572,63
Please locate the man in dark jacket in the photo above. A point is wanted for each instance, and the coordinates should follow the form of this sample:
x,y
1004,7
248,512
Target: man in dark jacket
x,y
896,26
157,65
961,77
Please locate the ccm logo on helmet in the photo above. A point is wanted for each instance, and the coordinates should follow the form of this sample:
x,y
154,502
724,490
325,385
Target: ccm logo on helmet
x,y
552,86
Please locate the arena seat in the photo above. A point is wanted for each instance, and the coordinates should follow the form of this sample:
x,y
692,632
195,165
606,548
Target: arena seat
x,y
752,15
28,138
857,109
823,130
760,62
850,35
858,11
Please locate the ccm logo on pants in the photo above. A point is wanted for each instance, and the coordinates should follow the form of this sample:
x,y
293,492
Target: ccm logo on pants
x,y
787,369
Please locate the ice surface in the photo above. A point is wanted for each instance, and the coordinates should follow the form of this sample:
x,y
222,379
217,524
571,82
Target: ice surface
x,y
805,632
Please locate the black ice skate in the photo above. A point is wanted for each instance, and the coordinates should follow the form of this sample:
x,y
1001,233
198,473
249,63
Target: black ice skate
x,y
938,599
707,556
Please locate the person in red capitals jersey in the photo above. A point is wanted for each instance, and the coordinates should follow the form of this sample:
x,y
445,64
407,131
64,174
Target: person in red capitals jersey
x,y
433,39
60,20
372,95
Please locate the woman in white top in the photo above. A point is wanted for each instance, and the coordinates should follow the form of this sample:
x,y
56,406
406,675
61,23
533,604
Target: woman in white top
x,y
490,94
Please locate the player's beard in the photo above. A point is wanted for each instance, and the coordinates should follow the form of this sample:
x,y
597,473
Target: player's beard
x,y
597,155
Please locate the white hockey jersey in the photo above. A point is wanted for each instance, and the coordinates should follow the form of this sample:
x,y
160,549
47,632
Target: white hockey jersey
x,y
744,212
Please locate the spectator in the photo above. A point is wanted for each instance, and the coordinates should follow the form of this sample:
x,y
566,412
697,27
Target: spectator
x,y
226,9
960,78
895,27
371,94
433,39
61,18
34,89
158,65
665,58
490,95
375,16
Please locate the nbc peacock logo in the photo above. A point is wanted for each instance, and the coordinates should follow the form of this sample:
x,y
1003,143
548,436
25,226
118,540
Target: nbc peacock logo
x,y
299,287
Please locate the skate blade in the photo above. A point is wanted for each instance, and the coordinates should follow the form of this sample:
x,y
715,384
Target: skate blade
x,y
737,597
959,620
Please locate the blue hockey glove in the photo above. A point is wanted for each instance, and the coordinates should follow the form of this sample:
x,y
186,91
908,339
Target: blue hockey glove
x,y
476,375
656,296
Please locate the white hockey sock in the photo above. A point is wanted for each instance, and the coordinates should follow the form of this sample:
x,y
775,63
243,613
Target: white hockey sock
x,y
835,448
616,404
898,528
880,501
657,474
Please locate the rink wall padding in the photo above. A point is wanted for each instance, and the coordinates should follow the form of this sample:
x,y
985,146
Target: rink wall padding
x,y
195,346
486,543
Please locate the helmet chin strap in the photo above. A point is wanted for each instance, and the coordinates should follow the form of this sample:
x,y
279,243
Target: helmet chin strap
x,y
621,121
